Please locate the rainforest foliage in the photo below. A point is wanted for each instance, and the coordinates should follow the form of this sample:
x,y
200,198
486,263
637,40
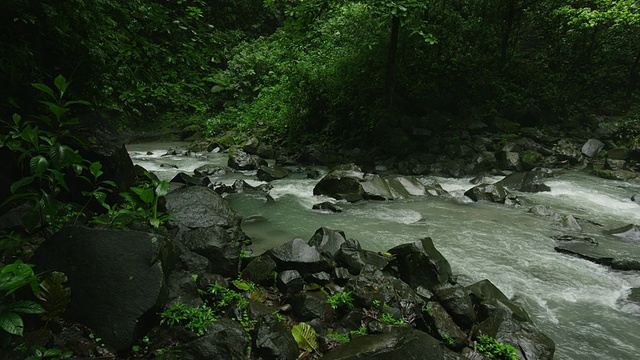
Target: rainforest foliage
x,y
336,67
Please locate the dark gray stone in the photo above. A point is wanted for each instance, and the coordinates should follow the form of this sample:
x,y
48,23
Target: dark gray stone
x,y
298,255
491,192
117,278
350,256
310,305
630,232
240,160
530,181
442,324
458,304
266,173
199,207
399,344
350,183
328,241
212,170
421,264
592,147
273,341
545,211
260,270
290,282
224,339
327,206
216,245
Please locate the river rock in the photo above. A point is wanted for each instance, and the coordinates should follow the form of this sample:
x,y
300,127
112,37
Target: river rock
x,y
274,341
530,181
566,150
199,207
441,323
350,183
217,246
260,270
310,305
630,232
327,206
400,343
327,241
636,198
266,173
592,147
585,252
186,179
259,148
224,339
491,192
421,264
240,160
289,282
576,239
212,170
298,255
117,278
545,211
458,304
570,222
406,186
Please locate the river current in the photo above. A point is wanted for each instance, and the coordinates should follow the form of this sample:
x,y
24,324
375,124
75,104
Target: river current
x,y
582,306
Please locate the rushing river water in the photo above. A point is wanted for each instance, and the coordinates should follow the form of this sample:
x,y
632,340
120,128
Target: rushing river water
x,y
579,304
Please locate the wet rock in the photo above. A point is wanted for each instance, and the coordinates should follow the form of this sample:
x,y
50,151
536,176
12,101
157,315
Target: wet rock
x,y
240,160
350,256
224,339
212,170
442,324
327,206
458,304
297,255
491,302
491,192
576,239
289,282
570,222
401,343
350,183
511,161
260,270
545,211
592,147
626,264
585,252
530,181
199,207
186,179
117,278
182,289
565,150
629,232
618,154
217,246
432,187
611,164
310,305
274,341
636,198
406,186
241,186
266,173
421,264
259,148
328,241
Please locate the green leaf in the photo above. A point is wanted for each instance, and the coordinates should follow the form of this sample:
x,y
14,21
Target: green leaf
x,y
146,195
72,102
162,189
25,307
21,183
45,89
95,169
11,323
305,336
155,223
61,83
38,165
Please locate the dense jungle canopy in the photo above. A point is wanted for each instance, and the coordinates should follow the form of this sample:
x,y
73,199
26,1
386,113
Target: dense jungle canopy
x,y
346,69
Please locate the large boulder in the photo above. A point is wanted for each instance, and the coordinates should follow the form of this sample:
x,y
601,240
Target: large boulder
x,y
491,192
399,344
240,160
592,147
224,339
274,341
266,173
298,255
200,207
630,232
215,244
406,186
567,151
327,241
117,278
350,183
530,181
421,264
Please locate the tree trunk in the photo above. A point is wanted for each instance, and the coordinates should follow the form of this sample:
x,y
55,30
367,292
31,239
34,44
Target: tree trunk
x,y
390,82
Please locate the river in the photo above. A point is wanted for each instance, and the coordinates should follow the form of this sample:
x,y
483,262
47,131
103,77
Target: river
x,y
579,304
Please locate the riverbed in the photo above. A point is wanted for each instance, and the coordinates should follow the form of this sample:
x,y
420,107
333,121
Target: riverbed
x,y
582,306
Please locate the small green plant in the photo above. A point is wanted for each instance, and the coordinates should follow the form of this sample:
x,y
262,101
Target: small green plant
x,y
222,299
427,309
361,331
13,277
448,340
40,352
388,319
495,350
340,337
279,316
340,299
195,319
